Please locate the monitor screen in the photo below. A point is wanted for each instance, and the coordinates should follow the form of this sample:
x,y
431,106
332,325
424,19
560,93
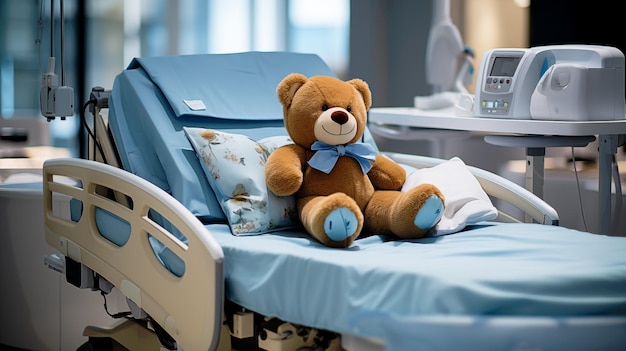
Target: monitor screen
x,y
504,66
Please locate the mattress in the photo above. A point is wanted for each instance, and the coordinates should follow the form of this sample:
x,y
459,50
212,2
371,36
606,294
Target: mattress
x,y
500,270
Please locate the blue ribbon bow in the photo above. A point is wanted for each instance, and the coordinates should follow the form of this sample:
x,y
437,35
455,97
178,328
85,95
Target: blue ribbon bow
x,y
326,156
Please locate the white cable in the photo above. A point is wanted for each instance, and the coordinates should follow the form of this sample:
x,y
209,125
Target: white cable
x,y
51,28
56,100
40,33
62,50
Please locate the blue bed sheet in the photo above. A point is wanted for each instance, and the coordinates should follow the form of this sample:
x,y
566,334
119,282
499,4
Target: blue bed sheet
x,y
487,270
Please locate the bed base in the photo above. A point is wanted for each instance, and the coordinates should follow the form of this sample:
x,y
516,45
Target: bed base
x,y
241,331
132,336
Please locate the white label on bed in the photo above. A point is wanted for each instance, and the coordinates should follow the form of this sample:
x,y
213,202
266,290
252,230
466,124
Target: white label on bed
x,y
195,105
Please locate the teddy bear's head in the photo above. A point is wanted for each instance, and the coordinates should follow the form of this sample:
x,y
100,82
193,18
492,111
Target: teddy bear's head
x,y
323,108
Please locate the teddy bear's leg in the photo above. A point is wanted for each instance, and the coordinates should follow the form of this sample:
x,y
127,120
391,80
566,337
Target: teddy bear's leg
x,y
333,220
408,214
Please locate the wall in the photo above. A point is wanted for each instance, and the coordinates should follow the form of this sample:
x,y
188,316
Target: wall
x,y
388,41
489,24
387,46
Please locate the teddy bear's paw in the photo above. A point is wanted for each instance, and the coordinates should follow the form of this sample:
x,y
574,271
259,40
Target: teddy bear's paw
x,y
430,213
340,224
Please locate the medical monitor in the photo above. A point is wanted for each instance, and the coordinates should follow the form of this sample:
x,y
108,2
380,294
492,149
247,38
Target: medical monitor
x,y
497,80
504,66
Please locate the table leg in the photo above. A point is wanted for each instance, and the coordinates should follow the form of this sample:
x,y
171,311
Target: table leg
x,y
535,154
607,147
535,172
535,169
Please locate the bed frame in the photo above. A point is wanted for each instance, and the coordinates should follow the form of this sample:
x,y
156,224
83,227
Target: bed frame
x,y
101,186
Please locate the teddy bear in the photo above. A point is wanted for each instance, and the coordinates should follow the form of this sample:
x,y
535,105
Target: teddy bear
x,y
343,187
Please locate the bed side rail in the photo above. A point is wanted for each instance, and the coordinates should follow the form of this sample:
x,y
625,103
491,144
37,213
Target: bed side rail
x,y
188,307
496,187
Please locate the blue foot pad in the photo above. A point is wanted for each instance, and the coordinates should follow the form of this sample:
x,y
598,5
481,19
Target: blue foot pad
x,y
340,224
430,213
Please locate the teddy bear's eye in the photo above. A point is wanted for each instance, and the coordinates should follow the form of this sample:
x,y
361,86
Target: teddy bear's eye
x,y
349,109
324,107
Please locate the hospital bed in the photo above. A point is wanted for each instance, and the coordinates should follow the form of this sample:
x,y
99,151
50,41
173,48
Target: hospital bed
x,y
146,222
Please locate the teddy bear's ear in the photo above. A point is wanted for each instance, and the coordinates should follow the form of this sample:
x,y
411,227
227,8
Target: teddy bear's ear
x,y
288,86
364,89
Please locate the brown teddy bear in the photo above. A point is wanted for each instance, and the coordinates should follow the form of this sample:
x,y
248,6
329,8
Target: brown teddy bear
x,y
343,187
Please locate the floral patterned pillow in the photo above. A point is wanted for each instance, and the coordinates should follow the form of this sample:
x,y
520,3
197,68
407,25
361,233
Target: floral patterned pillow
x,y
234,165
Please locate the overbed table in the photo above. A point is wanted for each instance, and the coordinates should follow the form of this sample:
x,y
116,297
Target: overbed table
x,y
534,135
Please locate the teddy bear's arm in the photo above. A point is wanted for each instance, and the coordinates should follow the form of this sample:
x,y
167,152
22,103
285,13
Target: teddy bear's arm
x,y
386,174
283,170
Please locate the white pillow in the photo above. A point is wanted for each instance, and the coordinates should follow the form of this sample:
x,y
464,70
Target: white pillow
x,y
465,200
234,166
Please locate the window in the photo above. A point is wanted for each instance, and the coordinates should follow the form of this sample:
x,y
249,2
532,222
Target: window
x,y
102,37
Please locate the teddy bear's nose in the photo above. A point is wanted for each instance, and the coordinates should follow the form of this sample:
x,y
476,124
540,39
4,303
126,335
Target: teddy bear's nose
x,y
339,117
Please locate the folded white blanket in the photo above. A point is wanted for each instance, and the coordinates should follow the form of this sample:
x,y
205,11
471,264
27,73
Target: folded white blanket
x,y
465,200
